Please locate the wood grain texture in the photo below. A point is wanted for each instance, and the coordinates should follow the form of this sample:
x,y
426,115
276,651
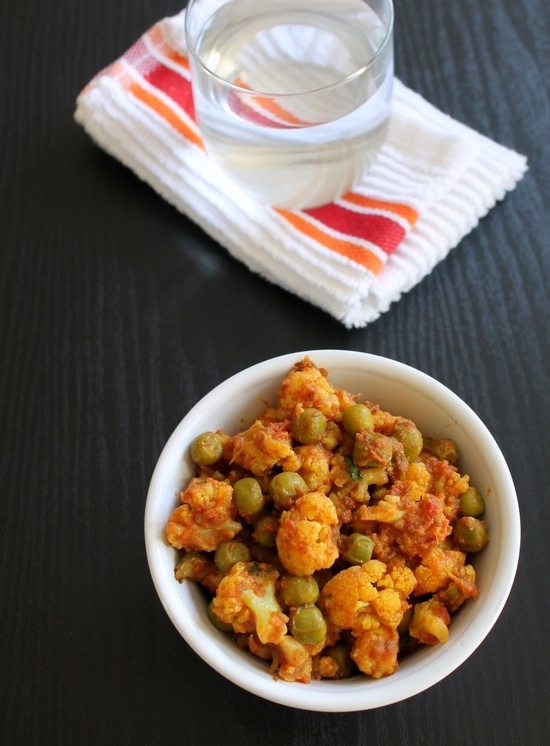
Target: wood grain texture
x,y
118,314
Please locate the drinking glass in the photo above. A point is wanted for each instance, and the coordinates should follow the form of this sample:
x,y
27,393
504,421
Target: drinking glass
x,y
292,97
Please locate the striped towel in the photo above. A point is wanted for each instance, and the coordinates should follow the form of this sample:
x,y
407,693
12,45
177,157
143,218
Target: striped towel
x,y
431,183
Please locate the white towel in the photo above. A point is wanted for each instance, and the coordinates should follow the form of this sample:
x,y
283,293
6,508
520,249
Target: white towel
x,y
430,185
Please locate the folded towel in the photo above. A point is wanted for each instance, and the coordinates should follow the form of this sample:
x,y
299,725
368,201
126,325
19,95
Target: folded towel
x,y
431,183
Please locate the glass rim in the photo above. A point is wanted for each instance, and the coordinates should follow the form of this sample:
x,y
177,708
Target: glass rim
x,y
251,92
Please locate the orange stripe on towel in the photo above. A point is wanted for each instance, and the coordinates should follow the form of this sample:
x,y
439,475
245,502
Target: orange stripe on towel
x,y
270,106
156,37
175,57
359,254
410,215
163,110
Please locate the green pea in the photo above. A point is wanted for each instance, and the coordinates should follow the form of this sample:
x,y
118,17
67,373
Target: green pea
x,y
248,497
341,654
229,553
372,452
186,569
215,619
451,594
307,624
308,426
471,503
356,548
265,531
285,488
206,449
297,590
470,534
410,438
357,417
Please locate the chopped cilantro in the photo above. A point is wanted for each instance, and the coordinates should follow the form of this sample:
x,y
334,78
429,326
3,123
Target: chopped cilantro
x,y
353,470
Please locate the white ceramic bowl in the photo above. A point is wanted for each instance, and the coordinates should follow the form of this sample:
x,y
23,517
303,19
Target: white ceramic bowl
x,y
402,390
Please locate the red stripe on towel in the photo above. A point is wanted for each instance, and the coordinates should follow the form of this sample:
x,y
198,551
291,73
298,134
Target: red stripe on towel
x,y
377,229
347,248
174,85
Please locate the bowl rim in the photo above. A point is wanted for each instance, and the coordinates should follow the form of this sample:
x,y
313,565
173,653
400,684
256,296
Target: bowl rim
x,y
430,665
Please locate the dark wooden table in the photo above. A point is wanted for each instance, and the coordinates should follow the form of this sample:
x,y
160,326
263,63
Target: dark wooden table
x,y
118,314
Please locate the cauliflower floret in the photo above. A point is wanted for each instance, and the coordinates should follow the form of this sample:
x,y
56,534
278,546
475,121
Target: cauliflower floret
x,y
332,437
308,533
366,596
399,577
334,661
389,607
430,623
436,568
308,385
421,526
326,667
206,517
384,422
346,598
199,567
315,466
293,659
361,599
246,599
420,476
375,652
462,586
387,510
345,507
443,571
445,481
264,446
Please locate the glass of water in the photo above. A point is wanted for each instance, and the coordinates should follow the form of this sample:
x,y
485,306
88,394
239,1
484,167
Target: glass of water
x,y
292,97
